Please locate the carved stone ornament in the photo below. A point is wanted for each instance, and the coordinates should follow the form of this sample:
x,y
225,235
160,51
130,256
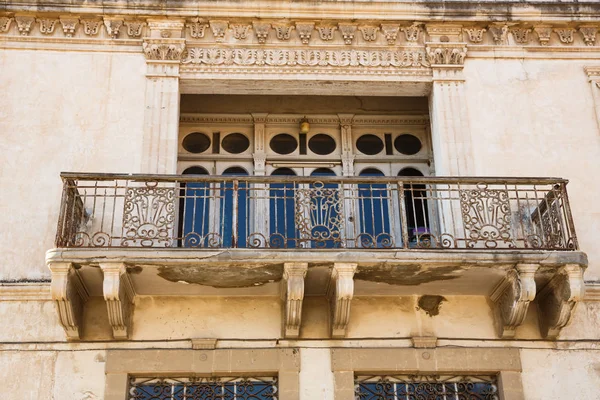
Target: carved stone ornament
x,y
261,30
511,298
348,164
24,24
475,34
219,29
240,31
134,28
521,35
446,53
163,49
544,33
558,299
390,32
47,25
5,24
91,27
283,31
309,57
113,26
588,33
260,161
341,291
326,32
369,32
566,35
292,293
413,32
69,294
305,30
69,25
197,28
499,33
119,294
348,31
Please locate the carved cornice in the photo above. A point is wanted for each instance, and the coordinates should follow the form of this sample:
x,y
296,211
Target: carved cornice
x,y
245,119
69,294
119,294
163,49
292,293
341,291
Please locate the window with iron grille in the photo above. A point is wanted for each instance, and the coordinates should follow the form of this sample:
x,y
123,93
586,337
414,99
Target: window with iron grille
x,y
197,388
411,387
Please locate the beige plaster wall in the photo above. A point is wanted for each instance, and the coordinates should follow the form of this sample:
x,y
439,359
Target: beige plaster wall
x,y
76,111
535,117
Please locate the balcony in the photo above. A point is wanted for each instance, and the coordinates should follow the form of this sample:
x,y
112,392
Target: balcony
x,y
124,235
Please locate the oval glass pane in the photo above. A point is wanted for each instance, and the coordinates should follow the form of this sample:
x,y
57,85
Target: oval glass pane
x,y
235,143
407,144
321,144
283,143
195,170
196,142
369,144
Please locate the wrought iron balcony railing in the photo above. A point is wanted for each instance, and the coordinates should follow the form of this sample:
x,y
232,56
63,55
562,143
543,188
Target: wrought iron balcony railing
x,y
108,210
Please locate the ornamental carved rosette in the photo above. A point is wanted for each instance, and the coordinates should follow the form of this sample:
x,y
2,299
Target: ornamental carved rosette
x,y
163,49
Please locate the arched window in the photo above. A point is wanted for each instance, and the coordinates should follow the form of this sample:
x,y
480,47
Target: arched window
x,y
374,212
417,214
194,210
282,224
234,217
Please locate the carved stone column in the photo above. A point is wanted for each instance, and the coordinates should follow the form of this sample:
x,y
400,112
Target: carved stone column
x,y
558,300
119,294
69,294
292,293
163,51
341,291
511,298
450,132
593,74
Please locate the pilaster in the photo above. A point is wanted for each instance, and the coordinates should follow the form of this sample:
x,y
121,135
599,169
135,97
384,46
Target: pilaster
x,y
69,294
292,293
163,50
119,294
341,291
593,74
450,131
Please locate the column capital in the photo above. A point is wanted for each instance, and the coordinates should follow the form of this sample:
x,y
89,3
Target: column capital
x,y
446,54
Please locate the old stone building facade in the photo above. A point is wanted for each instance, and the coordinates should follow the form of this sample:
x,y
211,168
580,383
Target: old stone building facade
x,y
299,200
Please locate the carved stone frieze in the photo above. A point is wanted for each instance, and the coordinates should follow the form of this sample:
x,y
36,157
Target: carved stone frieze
x,y
91,27
565,35
69,24
449,54
413,32
47,25
119,294
5,24
240,31
113,26
369,32
305,30
475,34
301,57
197,28
544,33
341,291
219,29
135,28
292,293
348,31
589,34
69,294
163,49
283,31
511,298
521,35
499,33
24,23
261,31
558,299
390,32
326,32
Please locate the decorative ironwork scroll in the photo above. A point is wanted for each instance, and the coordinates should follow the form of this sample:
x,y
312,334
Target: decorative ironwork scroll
x,y
148,215
320,214
426,387
486,216
548,222
202,389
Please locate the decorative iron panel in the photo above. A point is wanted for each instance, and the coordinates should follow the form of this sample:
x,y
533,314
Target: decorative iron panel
x,y
197,388
426,387
319,214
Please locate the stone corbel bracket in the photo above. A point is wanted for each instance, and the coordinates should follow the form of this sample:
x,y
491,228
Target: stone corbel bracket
x,y
558,299
340,293
511,298
69,294
119,295
292,293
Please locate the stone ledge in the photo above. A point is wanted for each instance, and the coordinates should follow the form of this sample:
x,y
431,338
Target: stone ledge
x,y
25,292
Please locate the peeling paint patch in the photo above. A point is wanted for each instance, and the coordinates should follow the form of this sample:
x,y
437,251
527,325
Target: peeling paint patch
x,y
410,275
431,304
222,277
